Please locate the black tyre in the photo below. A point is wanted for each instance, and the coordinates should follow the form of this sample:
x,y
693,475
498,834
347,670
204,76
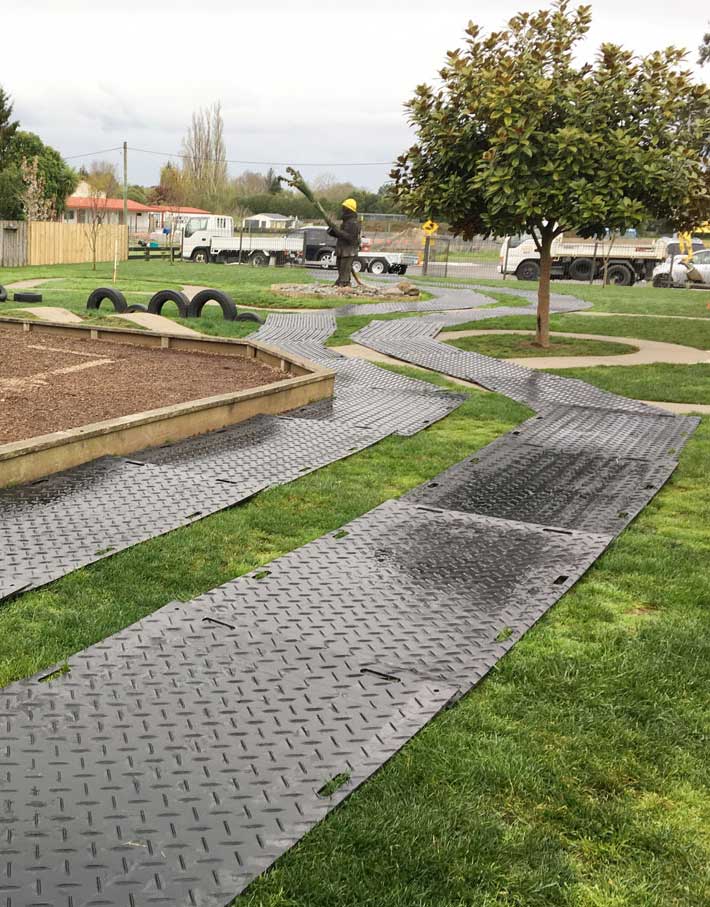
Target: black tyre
x,y
115,297
27,297
201,256
229,310
358,266
379,266
3,294
402,269
136,307
528,270
258,260
662,281
581,268
155,306
249,316
620,276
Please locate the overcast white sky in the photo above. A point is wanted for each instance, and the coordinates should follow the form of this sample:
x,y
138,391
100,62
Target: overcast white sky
x,y
300,82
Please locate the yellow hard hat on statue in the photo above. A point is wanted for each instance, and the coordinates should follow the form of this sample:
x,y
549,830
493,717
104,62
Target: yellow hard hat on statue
x,y
350,204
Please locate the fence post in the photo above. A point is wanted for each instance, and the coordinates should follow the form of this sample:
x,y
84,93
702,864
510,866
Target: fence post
x,y
594,262
505,261
425,263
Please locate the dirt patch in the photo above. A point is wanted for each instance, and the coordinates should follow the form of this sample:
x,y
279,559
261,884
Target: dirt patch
x,y
49,384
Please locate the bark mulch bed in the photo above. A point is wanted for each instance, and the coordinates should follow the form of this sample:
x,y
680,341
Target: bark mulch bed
x,y
50,383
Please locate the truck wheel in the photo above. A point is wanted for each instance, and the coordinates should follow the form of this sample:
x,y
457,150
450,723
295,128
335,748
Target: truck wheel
x,y
229,310
580,269
100,293
379,266
528,270
3,294
258,260
201,256
357,266
155,306
620,276
326,258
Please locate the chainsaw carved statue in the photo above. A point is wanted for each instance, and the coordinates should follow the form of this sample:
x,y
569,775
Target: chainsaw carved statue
x,y
347,234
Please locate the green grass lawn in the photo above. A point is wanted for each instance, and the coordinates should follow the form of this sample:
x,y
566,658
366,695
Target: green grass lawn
x,y
660,381
686,333
575,775
511,346
639,300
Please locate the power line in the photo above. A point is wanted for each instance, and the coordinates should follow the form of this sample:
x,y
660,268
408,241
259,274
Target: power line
x,y
268,163
72,157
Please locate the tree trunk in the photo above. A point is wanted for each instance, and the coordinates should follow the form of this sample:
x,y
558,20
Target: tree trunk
x,y
542,337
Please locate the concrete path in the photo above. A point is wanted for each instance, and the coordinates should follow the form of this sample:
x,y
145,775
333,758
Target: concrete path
x,y
157,323
30,284
642,315
51,313
681,408
647,353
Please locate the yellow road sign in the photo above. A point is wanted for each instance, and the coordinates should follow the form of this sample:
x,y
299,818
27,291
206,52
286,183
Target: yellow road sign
x,y
430,227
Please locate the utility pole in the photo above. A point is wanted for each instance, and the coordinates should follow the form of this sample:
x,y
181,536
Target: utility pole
x,y
125,183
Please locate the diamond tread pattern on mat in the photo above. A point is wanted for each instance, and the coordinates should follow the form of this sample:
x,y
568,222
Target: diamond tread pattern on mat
x,y
227,715
580,490
178,784
54,525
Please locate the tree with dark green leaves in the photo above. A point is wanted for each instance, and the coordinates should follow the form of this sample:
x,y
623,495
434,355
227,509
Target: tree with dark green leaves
x,y
516,138
8,126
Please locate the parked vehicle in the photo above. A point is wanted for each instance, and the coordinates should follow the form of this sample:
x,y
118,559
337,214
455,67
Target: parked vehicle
x,y
310,245
684,272
629,259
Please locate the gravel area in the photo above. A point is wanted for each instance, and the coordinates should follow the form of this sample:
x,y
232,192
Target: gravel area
x,y
50,383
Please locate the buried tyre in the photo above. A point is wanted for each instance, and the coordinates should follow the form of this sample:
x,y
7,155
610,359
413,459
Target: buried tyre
x,y
27,297
115,297
3,294
224,300
155,306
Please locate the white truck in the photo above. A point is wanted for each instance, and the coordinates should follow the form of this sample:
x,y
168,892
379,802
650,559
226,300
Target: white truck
x,y
211,238
629,260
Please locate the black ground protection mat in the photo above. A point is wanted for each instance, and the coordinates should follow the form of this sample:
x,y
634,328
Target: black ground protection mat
x,y
67,520
177,760
585,490
270,449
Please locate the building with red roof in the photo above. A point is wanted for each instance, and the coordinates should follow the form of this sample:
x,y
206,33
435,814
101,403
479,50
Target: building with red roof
x,y
141,218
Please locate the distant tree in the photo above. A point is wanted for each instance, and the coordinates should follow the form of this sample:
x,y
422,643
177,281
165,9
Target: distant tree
x,y
704,50
103,177
204,158
516,138
35,203
138,194
102,186
171,189
249,183
8,126
273,184
58,179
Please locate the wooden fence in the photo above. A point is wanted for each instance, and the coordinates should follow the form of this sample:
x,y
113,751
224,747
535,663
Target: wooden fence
x,y
49,243
13,243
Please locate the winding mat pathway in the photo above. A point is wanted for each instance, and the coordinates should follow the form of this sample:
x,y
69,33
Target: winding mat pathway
x,y
175,761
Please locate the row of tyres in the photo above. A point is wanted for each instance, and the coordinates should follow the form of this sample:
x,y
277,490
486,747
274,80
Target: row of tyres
x,y
187,308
